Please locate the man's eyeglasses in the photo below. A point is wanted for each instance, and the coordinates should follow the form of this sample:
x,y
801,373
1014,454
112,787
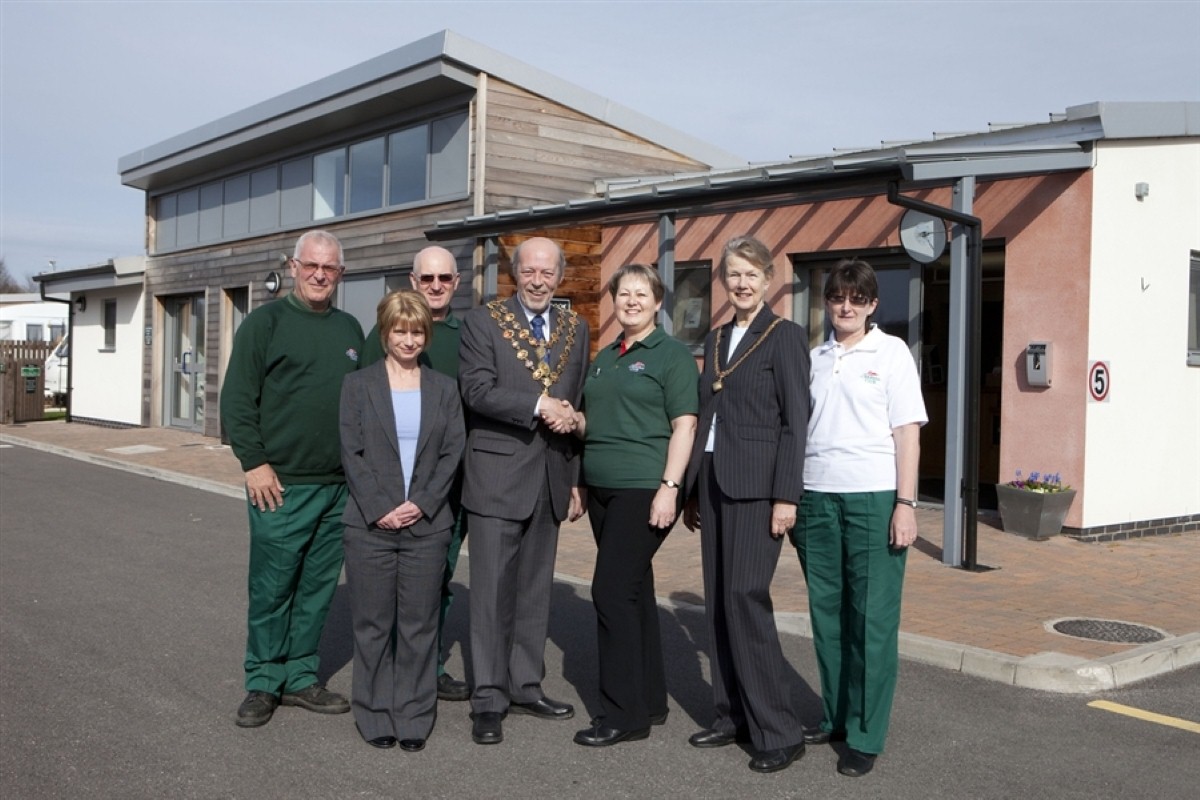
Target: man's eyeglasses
x,y
429,278
856,300
310,267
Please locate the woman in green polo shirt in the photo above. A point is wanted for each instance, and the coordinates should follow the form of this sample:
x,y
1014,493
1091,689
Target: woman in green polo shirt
x,y
638,422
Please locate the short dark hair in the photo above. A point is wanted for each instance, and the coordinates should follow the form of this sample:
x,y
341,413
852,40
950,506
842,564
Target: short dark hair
x,y
852,276
644,271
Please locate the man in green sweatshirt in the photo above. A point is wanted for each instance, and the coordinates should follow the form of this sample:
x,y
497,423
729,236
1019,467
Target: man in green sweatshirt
x,y
279,408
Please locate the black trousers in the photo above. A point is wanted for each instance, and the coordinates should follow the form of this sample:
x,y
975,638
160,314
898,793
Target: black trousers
x,y
632,679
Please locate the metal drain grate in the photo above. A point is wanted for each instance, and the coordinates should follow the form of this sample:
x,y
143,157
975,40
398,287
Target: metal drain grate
x,y
1108,630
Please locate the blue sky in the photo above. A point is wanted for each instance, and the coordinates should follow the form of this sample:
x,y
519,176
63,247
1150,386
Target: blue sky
x,y
84,83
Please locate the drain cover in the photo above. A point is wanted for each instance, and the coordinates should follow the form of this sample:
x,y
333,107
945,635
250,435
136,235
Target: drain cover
x,y
1108,630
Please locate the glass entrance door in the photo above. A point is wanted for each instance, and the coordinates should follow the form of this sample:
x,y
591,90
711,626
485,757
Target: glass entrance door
x,y
185,360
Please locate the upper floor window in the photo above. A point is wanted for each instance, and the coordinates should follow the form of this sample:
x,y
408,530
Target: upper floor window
x,y
422,163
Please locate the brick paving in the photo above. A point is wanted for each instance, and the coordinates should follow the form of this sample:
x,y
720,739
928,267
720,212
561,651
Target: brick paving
x,y
1151,581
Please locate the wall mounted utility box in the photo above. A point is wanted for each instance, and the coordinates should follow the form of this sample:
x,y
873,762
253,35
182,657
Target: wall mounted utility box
x,y
1037,363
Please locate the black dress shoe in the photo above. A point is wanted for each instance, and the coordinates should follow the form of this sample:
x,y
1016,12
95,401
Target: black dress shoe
x,y
382,742
600,735
659,719
487,727
450,689
856,763
775,760
412,745
711,738
544,708
819,736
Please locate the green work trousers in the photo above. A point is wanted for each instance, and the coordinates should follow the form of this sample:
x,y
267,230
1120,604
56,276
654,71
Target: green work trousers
x,y
295,560
855,580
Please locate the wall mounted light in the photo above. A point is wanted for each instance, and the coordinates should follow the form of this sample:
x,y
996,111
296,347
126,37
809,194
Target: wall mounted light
x,y
81,303
1141,191
273,282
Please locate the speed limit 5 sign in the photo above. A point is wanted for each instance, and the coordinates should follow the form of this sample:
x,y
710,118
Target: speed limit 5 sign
x,y
1099,381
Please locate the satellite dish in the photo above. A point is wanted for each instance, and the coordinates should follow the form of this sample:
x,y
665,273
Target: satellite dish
x,y
923,236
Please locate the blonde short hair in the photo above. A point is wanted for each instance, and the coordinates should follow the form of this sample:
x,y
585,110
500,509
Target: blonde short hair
x,y
404,307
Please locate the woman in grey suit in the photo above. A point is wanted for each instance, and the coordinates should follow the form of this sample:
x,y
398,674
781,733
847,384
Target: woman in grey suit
x,y
402,438
746,471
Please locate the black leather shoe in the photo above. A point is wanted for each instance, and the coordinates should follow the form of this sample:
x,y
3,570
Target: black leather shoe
x,y
450,689
856,763
775,760
600,735
818,736
256,709
316,698
711,738
544,708
412,745
487,727
659,719
382,742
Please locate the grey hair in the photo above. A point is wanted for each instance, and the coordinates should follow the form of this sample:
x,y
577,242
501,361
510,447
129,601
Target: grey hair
x,y
319,236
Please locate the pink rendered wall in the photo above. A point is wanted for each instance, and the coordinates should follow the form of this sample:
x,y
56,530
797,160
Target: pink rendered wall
x,y
1045,222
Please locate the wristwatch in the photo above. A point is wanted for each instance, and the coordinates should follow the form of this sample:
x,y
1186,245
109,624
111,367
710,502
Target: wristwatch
x,y
904,501
670,484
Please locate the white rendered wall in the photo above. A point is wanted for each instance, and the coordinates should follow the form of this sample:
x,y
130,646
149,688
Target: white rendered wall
x,y
108,384
1143,445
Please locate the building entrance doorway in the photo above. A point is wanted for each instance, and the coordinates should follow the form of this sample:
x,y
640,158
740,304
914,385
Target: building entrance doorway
x,y
185,362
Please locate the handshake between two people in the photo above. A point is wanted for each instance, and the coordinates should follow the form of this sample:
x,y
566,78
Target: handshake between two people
x,y
560,416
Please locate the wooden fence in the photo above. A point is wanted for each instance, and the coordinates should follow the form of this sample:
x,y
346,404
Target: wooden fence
x,y
22,380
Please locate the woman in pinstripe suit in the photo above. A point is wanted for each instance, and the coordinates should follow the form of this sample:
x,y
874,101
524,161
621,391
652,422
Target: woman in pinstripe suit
x,y
745,480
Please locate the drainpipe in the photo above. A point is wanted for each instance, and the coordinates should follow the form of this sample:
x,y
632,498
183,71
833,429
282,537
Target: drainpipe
x,y
70,338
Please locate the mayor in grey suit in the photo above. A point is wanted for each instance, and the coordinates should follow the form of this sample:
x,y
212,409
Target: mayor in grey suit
x,y
745,478
402,439
521,368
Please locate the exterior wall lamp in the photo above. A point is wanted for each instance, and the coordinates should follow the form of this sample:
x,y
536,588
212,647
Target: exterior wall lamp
x,y
81,303
272,282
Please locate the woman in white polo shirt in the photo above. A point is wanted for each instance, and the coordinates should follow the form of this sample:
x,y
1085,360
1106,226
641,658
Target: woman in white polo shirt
x,y
858,514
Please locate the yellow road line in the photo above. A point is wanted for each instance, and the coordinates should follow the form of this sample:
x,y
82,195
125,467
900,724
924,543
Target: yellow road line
x,y
1148,716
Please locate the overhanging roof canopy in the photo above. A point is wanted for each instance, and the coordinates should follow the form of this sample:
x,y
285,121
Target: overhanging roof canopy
x,y
437,67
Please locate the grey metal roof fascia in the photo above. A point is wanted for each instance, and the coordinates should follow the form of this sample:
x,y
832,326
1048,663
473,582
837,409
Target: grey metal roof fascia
x,y
65,282
396,61
132,175
1141,120
998,165
593,105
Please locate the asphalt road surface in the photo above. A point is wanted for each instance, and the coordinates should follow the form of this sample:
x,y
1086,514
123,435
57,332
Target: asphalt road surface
x,y
122,617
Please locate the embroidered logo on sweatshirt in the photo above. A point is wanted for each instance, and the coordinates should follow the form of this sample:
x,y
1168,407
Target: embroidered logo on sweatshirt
x,y
352,354
637,366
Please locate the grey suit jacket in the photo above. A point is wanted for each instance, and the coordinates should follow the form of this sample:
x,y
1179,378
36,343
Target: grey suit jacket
x,y
371,453
508,448
762,413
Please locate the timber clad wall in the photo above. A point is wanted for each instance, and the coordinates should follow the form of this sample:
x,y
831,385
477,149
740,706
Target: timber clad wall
x,y
538,151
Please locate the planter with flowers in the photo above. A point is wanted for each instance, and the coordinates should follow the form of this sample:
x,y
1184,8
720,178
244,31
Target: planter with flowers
x,y
1035,506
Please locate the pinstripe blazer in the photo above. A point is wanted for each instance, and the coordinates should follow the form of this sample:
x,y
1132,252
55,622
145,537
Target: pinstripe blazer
x,y
762,413
371,453
508,448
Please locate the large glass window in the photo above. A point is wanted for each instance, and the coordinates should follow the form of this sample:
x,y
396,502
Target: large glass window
x,y
237,206
34,332
329,184
406,165
692,315
425,162
366,175
264,199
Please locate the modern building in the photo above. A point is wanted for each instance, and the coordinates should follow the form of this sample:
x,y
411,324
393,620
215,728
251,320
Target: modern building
x,y
1087,274
104,380
377,153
